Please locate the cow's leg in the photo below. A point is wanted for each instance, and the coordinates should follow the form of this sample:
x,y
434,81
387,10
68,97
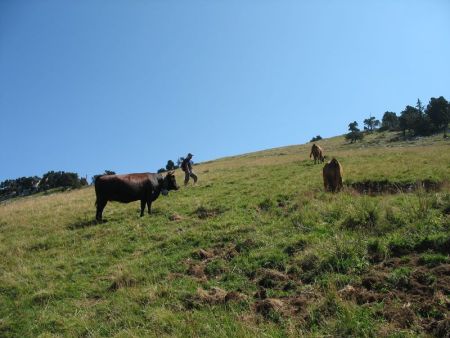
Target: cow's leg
x,y
142,207
149,206
100,206
335,185
327,184
341,185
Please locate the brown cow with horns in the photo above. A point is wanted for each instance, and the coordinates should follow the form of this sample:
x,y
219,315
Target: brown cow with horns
x,y
145,187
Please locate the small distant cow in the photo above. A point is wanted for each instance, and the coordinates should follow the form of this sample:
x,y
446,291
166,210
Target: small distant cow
x,y
145,187
332,176
317,152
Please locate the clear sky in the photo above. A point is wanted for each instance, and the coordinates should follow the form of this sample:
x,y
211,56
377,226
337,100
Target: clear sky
x,y
90,85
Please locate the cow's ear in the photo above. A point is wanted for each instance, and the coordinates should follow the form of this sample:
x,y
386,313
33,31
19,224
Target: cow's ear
x,y
171,173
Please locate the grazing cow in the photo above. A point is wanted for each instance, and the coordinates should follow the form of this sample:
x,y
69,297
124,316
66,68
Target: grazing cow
x,y
332,176
145,187
317,152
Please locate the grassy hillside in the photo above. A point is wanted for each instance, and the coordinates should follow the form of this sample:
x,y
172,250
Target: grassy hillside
x,y
256,248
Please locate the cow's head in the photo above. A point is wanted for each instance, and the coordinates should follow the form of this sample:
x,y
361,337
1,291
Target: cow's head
x,y
169,183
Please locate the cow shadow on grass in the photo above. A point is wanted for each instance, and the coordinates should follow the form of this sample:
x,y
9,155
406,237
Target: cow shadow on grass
x,y
80,224
155,212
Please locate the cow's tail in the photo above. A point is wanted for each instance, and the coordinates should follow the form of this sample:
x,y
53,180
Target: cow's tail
x,y
96,193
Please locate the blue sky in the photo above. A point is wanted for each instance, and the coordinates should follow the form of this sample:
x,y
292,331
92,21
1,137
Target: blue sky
x,y
126,85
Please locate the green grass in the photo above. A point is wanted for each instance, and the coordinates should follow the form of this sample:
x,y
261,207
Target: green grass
x,y
61,274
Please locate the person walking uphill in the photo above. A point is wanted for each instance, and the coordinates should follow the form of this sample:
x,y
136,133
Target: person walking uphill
x,y
187,168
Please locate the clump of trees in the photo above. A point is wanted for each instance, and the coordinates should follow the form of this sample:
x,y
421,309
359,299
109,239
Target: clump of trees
x,y
24,186
316,138
355,133
438,112
59,179
415,120
19,187
169,166
390,122
371,124
107,172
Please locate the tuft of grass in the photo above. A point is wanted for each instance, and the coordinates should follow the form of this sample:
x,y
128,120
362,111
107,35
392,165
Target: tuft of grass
x,y
433,259
376,251
121,279
400,277
364,215
266,204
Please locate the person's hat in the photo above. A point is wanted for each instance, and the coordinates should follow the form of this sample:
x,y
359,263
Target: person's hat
x,y
190,155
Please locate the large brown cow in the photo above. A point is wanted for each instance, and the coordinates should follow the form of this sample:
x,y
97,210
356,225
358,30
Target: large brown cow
x,y
317,152
332,176
145,187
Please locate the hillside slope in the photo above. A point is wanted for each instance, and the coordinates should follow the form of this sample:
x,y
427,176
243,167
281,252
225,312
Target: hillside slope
x,y
255,248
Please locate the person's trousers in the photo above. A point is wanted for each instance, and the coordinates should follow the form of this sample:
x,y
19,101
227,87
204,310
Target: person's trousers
x,y
188,174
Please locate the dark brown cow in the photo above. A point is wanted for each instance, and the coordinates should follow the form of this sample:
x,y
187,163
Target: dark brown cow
x,y
145,187
317,152
332,176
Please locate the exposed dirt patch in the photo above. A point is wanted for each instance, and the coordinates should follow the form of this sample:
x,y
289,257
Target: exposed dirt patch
x,y
274,279
287,306
217,295
196,270
402,315
175,218
370,187
212,296
204,213
203,254
226,252
207,263
271,305
441,328
413,294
